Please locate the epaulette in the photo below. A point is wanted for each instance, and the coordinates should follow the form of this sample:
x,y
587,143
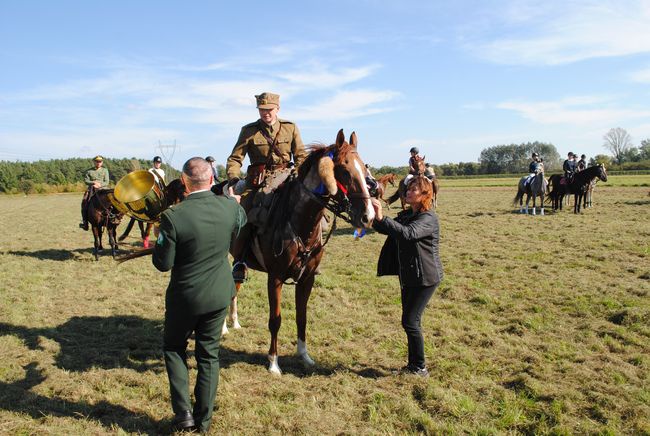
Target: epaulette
x,y
285,121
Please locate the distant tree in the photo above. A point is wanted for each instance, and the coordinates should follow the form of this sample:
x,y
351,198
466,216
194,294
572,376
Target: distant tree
x,y
618,141
514,158
644,150
600,159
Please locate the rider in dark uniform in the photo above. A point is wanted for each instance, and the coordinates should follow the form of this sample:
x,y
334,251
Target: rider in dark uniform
x,y
533,168
569,166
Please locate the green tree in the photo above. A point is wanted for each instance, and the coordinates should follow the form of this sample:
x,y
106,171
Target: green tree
x,y
644,150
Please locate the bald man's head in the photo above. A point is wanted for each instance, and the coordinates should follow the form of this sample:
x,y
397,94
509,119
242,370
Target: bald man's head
x,y
197,174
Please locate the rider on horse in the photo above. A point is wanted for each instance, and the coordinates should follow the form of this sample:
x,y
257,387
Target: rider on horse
x,y
270,144
569,167
414,169
95,178
534,167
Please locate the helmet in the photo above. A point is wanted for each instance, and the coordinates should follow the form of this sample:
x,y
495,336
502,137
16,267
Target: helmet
x,y
414,150
209,159
535,154
98,158
157,159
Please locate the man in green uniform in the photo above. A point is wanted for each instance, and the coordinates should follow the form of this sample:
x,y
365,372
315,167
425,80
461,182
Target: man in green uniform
x,y
95,178
193,242
270,144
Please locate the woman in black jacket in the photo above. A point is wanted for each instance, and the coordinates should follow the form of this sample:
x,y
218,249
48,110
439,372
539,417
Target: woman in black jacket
x,y
411,252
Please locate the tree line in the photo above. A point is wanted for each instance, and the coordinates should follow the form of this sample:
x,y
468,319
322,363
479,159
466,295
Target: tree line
x,y
66,175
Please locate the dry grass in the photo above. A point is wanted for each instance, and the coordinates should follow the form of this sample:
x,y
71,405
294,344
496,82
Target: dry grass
x,y
541,326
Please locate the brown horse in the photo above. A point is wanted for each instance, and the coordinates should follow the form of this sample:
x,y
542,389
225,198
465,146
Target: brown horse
x,y
403,184
103,215
382,183
290,247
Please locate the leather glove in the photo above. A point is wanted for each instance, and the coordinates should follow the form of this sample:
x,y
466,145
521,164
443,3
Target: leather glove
x,y
232,182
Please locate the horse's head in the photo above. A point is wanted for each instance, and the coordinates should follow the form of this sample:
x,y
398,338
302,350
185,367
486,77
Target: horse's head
x,y
421,165
343,174
602,172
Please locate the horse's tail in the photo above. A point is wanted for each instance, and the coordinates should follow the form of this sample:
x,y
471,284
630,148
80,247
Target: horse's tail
x,y
518,197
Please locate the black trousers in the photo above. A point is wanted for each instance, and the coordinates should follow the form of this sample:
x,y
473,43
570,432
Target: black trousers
x,y
414,300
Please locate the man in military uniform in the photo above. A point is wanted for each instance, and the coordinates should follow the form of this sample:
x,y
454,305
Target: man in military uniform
x,y
95,178
193,242
270,144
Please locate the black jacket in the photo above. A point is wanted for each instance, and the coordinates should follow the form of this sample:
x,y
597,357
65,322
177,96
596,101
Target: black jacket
x,y
411,249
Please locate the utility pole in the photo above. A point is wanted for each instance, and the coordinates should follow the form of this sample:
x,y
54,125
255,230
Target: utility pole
x,y
167,152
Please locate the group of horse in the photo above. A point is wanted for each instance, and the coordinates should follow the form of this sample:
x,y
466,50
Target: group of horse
x,y
557,187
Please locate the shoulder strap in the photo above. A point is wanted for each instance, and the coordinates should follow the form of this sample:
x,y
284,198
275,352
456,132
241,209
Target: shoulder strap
x,y
273,143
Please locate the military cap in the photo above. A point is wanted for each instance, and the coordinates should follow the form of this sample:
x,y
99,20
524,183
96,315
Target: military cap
x,y
157,159
98,158
267,100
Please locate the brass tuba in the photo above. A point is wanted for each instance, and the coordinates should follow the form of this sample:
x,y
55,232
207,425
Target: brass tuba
x,y
140,195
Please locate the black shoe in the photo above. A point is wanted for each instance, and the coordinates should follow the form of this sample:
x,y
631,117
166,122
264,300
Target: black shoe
x,y
239,272
183,421
412,370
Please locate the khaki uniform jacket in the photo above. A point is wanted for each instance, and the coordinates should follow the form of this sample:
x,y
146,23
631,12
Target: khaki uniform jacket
x,y
97,174
193,242
251,142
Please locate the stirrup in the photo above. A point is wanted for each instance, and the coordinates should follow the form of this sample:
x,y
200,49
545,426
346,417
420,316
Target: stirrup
x,y
240,272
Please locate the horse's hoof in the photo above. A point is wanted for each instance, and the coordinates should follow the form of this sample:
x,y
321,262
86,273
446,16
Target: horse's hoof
x,y
306,359
274,368
236,325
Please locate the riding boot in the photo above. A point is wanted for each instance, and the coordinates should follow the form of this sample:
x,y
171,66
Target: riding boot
x,y
84,215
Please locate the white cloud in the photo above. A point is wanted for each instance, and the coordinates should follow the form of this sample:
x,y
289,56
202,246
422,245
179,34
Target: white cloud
x,y
564,32
582,110
641,76
348,104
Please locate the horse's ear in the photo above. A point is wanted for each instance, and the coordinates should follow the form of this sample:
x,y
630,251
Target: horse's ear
x,y
424,157
326,174
353,139
340,138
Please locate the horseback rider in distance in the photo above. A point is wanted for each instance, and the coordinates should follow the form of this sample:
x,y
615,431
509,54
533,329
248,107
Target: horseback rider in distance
x,y
270,144
534,167
569,167
413,164
94,178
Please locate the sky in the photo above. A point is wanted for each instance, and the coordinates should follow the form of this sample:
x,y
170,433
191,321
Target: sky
x,y
178,78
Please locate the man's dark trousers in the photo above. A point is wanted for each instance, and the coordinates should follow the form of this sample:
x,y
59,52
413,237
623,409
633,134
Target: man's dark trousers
x,y
207,329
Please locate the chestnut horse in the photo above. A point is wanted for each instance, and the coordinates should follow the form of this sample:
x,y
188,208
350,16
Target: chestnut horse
x,y
290,247
103,215
382,183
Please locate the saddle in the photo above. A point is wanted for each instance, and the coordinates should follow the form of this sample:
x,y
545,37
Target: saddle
x,y
265,198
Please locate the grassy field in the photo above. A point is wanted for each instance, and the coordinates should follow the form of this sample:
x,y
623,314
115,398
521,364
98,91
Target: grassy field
x,y
542,325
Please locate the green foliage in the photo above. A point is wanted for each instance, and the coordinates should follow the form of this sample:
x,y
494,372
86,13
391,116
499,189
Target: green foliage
x,y
514,158
63,175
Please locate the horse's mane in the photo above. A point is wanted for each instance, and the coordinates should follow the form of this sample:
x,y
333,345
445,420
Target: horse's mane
x,y
317,151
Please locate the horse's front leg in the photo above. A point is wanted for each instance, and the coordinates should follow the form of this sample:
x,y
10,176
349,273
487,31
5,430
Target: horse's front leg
x,y
112,239
234,318
97,235
274,287
303,291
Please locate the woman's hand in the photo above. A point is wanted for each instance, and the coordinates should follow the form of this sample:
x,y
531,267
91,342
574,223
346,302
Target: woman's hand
x,y
378,211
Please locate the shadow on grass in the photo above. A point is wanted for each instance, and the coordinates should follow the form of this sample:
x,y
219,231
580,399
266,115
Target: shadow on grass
x,y
99,342
292,365
64,255
17,397
637,202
